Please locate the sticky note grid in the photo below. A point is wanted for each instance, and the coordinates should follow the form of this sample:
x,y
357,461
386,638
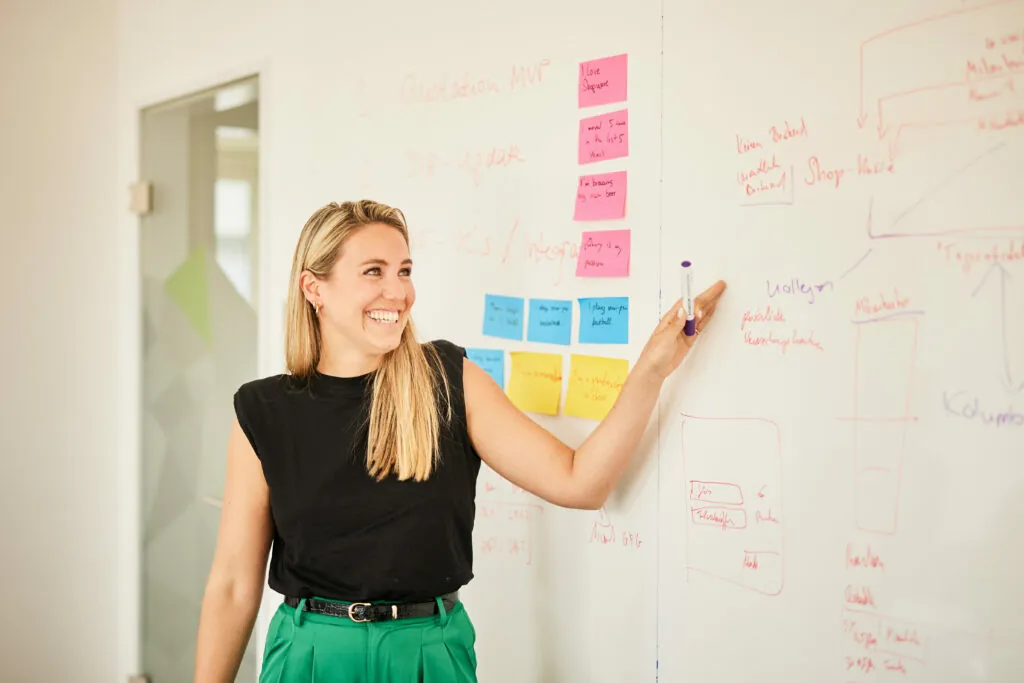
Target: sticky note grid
x,y
592,382
535,378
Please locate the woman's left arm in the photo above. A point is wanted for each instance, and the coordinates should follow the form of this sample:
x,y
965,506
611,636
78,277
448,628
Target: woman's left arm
x,y
529,456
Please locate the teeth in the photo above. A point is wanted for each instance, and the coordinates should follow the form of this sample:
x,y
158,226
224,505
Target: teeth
x,y
383,316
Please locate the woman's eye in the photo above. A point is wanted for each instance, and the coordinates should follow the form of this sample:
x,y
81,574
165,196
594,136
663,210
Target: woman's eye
x,y
405,272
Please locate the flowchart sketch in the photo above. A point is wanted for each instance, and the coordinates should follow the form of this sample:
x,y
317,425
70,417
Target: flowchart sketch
x,y
950,119
733,488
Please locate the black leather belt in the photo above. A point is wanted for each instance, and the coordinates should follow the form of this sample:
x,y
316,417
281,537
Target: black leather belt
x,y
365,611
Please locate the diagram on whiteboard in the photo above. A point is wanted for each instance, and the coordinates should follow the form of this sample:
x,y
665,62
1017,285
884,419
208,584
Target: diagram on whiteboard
x,y
882,414
940,146
913,97
733,479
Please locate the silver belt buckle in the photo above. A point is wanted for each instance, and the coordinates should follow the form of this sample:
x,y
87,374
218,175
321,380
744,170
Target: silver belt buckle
x,y
352,616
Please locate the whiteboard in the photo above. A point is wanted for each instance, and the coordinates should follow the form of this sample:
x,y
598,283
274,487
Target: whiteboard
x,y
857,178
832,487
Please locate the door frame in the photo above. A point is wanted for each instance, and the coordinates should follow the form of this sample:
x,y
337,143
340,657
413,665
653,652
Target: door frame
x,y
128,557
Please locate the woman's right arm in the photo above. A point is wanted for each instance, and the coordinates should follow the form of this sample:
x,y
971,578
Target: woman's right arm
x,y
234,588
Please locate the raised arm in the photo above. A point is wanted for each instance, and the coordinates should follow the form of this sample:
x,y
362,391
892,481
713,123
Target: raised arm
x,y
235,584
529,456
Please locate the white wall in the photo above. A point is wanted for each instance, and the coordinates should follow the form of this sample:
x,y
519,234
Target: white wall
x,y
167,50
59,199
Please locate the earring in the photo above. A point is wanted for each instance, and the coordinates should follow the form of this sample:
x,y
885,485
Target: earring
x,y
316,309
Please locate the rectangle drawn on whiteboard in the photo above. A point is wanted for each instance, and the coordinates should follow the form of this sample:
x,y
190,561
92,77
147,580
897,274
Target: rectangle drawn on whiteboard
x,y
600,197
893,645
879,450
603,81
604,137
716,515
885,358
715,492
774,188
885,363
734,526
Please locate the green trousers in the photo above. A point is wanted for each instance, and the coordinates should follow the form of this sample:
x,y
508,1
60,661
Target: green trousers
x,y
303,647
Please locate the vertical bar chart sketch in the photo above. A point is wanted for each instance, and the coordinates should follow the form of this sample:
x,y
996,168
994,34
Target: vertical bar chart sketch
x,y
884,365
733,488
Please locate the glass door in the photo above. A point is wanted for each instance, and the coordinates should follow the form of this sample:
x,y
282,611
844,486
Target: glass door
x,y
198,251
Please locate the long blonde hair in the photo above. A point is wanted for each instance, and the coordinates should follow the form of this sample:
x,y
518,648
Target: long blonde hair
x,y
405,414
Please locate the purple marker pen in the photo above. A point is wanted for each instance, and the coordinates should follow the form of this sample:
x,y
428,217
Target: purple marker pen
x,y
690,328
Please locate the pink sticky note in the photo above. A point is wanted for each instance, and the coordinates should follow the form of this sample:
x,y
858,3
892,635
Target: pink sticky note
x,y
603,253
601,196
603,81
605,136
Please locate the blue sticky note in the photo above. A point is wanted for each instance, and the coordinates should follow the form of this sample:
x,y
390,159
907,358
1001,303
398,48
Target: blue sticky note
x,y
503,316
550,321
492,361
604,320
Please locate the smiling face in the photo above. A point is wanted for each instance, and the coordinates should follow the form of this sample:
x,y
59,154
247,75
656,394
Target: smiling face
x,y
366,299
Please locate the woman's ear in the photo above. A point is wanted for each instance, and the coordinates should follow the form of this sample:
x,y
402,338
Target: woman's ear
x,y
310,286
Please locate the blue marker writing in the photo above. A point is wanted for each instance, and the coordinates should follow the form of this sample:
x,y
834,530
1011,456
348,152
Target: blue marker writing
x,y
690,328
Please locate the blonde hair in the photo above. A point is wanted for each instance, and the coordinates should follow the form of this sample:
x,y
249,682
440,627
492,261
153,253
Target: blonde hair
x,y
405,415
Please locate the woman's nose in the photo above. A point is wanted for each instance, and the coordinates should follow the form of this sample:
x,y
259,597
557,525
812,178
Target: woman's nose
x,y
393,289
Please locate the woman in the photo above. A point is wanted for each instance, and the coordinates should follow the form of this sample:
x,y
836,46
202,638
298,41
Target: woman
x,y
359,466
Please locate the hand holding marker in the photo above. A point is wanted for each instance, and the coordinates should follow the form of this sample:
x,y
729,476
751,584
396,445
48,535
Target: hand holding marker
x,y
666,348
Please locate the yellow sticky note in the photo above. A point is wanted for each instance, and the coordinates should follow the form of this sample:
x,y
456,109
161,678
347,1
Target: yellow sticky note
x,y
594,384
535,381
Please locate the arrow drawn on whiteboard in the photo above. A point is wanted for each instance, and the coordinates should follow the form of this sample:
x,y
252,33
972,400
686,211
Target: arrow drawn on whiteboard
x,y
940,186
760,492
859,261
1004,275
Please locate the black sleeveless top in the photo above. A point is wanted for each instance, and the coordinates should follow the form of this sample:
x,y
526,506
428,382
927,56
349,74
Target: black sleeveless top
x,y
339,533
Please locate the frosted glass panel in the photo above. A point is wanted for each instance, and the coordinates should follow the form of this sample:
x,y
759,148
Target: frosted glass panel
x,y
197,254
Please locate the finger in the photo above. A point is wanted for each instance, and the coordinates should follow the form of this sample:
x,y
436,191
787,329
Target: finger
x,y
702,322
706,310
711,294
671,316
704,315
706,303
